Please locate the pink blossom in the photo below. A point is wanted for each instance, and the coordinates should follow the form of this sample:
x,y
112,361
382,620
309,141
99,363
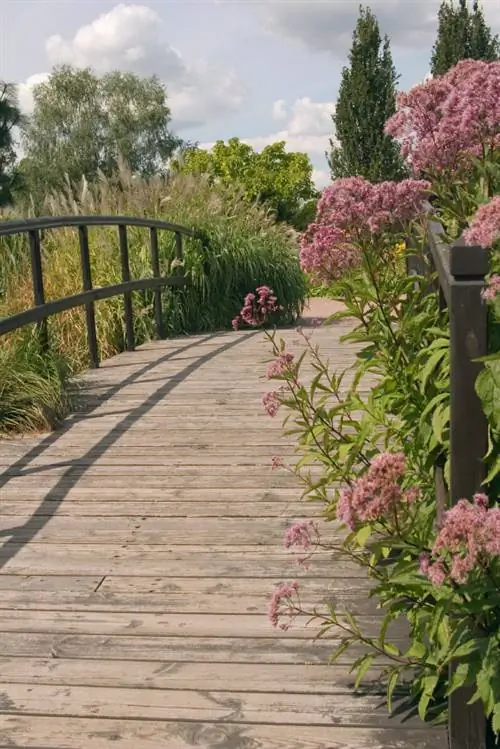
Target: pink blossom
x,y
300,535
492,289
257,307
271,402
277,462
280,365
469,537
282,605
377,493
448,119
351,208
484,229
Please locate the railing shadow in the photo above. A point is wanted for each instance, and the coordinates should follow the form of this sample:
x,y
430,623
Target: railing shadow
x,y
21,535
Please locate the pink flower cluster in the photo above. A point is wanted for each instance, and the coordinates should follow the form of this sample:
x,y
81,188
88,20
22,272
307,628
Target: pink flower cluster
x,y
257,307
484,229
271,402
351,208
377,493
469,536
300,535
280,366
492,290
442,122
282,605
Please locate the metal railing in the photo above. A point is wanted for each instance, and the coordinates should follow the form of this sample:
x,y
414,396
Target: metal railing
x,y
458,277
42,310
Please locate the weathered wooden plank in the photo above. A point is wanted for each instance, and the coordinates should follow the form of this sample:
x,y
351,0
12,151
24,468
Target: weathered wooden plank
x,y
34,732
211,650
186,561
73,506
229,707
158,530
179,600
295,679
172,624
22,584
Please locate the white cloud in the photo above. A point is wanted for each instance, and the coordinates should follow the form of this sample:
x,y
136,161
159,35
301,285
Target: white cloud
x,y
279,109
321,178
25,91
130,38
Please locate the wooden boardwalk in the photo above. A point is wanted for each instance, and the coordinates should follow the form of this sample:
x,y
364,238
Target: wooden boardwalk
x,y
138,546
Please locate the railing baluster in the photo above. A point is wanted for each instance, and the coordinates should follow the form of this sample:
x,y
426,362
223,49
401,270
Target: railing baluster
x,y
127,297
83,236
38,290
155,263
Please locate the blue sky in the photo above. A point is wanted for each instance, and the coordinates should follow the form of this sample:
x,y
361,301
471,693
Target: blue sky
x,y
262,71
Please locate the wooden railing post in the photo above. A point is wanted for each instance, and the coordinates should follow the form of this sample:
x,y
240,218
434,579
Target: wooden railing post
x,y
468,435
155,264
83,237
38,289
127,297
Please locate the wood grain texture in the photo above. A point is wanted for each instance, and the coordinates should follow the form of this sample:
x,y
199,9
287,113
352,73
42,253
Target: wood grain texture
x,y
139,545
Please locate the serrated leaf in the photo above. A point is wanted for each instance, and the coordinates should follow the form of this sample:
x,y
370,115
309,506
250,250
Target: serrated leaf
x,y
428,685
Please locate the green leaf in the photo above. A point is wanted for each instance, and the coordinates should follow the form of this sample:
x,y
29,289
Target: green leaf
x,y
363,668
391,686
428,685
363,535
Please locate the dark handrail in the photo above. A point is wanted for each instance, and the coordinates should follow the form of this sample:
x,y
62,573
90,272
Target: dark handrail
x,y
461,271
41,310
59,222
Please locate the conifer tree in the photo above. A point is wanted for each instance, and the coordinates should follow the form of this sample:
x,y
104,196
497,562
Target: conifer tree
x,y
365,102
10,117
462,35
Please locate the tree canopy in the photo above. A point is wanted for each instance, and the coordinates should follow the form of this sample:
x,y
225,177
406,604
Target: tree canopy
x,y
10,117
366,100
83,123
462,35
280,179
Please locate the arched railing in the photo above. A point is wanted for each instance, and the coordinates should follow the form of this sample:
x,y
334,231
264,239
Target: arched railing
x,y
42,310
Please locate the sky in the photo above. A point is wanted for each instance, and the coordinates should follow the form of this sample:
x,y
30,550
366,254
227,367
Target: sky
x,y
262,71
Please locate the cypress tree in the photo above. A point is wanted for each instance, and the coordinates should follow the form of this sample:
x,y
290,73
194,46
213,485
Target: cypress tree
x,y
10,117
365,102
462,35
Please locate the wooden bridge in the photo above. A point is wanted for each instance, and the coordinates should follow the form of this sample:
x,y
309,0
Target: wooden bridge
x,y
138,546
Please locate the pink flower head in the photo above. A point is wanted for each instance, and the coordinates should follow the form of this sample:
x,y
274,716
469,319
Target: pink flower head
x,y
351,208
492,290
280,365
469,537
271,402
446,120
257,307
277,462
377,493
484,229
300,535
282,605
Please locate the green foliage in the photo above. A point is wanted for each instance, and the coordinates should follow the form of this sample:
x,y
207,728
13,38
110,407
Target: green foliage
x,y
243,248
366,100
396,399
462,35
83,124
277,179
10,117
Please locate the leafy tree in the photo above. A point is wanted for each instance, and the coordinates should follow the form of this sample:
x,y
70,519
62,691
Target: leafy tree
x,y
462,35
275,177
366,100
83,123
10,117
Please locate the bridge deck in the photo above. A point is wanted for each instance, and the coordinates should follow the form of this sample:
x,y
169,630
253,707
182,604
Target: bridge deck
x,y
139,544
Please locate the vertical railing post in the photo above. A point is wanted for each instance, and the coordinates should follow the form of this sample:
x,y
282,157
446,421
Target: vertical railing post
x,y
127,296
83,237
38,289
155,264
468,435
